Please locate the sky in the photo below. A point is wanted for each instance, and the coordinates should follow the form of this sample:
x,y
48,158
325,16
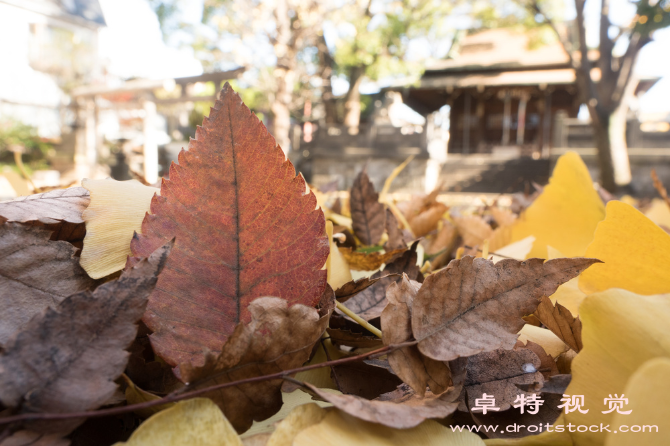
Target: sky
x,y
133,45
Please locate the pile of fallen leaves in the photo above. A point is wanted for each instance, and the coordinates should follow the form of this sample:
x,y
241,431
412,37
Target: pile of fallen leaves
x,y
237,305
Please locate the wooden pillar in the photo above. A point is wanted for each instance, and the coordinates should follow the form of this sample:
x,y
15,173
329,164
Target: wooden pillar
x,y
546,125
521,119
507,118
150,144
466,122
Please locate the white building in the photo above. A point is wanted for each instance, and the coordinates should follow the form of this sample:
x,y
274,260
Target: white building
x,y
47,47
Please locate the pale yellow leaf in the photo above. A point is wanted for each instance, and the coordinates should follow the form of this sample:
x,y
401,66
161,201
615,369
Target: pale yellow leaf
x,y
565,215
338,429
197,422
116,211
336,265
648,393
299,419
569,295
518,250
135,395
620,332
292,402
635,252
551,343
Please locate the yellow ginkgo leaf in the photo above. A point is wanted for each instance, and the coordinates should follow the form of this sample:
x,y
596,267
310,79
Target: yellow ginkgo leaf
x,y
659,212
338,429
337,267
621,331
116,211
565,215
569,295
635,252
648,393
193,422
551,343
299,419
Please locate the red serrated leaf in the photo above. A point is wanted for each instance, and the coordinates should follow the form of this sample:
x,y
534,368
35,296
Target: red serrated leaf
x,y
244,228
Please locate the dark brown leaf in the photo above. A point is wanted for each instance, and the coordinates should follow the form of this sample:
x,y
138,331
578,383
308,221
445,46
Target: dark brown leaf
x,y
66,360
277,337
367,213
364,380
350,289
560,321
497,373
353,339
35,274
474,305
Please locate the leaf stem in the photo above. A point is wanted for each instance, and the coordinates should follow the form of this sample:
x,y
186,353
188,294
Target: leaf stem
x,y
195,393
360,321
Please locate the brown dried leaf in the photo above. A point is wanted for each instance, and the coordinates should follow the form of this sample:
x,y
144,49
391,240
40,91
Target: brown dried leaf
x,y
362,261
497,373
66,360
548,366
503,217
474,305
35,274
555,385
399,409
427,220
395,237
277,338
408,363
560,321
367,213
370,302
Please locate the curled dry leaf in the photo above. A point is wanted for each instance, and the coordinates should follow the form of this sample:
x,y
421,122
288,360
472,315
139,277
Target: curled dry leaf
x,y
77,349
408,363
54,207
395,236
473,229
35,274
426,221
370,302
277,338
367,213
497,373
555,385
503,217
399,409
116,212
474,305
362,261
193,422
547,363
353,339
561,322
367,380
244,228
353,287
444,240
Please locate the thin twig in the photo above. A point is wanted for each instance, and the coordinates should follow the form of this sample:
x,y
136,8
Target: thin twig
x,y
360,321
194,393
332,369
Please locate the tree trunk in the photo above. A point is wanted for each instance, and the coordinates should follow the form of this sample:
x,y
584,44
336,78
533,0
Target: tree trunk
x,y
281,122
352,104
326,63
604,146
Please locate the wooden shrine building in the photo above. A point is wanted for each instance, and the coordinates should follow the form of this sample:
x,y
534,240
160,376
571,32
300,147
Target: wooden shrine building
x,y
502,92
